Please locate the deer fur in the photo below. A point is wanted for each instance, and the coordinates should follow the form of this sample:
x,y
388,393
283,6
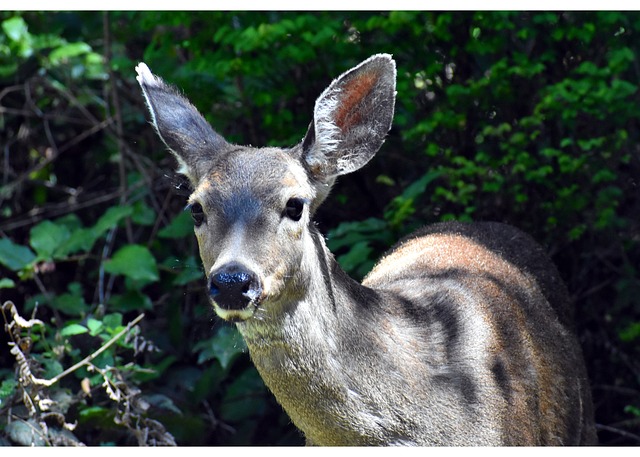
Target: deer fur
x,y
460,335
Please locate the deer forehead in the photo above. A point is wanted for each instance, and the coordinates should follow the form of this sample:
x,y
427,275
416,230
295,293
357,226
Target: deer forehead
x,y
267,175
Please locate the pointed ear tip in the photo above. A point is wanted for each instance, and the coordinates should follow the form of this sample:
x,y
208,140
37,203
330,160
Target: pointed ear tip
x,y
144,74
387,58
384,62
142,68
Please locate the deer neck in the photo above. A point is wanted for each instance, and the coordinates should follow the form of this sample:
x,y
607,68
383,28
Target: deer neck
x,y
325,298
300,349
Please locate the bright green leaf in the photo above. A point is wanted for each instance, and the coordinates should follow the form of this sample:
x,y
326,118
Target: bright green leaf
x,y
7,283
15,28
95,413
67,51
133,261
94,326
82,239
73,329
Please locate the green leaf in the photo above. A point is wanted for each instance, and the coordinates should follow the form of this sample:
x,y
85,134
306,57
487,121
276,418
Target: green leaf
x,y
402,207
5,71
94,326
112,321
349,233
191,271
71,221
619,59
16,29
15,256
131,300
180,227
143,214
47,237
7,283
52,367
81,240
97,413
67,51
133,261
7,388
631,409
242,399
225,346
73,329
111,218
71,303
630,333
359,254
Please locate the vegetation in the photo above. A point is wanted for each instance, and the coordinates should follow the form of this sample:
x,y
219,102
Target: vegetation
x,y
526,118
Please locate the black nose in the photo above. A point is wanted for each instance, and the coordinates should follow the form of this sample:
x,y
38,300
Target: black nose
x,y
233,286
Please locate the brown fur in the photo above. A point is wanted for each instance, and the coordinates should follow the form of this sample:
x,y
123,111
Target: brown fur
x,y
354,92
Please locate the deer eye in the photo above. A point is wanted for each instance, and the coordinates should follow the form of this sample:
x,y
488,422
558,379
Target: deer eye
x,y
197,213
293,209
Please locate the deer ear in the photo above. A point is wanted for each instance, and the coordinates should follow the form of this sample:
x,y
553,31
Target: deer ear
x,y
180,126
351,119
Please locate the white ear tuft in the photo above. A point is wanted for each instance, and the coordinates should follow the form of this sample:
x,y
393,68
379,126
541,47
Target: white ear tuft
x,y
327,133
145,76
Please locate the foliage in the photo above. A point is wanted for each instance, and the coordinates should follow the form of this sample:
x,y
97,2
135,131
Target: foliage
x,y
527,118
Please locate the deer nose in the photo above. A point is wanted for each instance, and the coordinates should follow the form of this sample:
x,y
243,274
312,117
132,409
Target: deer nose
x,y
233,286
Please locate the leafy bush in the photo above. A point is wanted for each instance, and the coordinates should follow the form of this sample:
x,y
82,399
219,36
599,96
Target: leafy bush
x,y
527,118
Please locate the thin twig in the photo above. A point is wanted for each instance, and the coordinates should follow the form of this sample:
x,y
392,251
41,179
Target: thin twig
x,y
61,208
89,358
619,432
56,151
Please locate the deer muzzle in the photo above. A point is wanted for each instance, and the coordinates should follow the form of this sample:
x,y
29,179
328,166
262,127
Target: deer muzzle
x,y
233,287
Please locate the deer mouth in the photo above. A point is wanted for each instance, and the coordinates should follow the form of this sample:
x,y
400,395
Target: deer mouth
x,y
236,314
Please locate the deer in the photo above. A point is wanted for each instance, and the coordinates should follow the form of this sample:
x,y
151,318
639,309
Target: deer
x,y
461,335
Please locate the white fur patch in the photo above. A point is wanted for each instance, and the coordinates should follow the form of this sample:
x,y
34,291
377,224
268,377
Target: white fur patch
x,y
328,134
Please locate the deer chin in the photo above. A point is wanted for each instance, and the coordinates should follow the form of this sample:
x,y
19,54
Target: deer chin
x,y
236,315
